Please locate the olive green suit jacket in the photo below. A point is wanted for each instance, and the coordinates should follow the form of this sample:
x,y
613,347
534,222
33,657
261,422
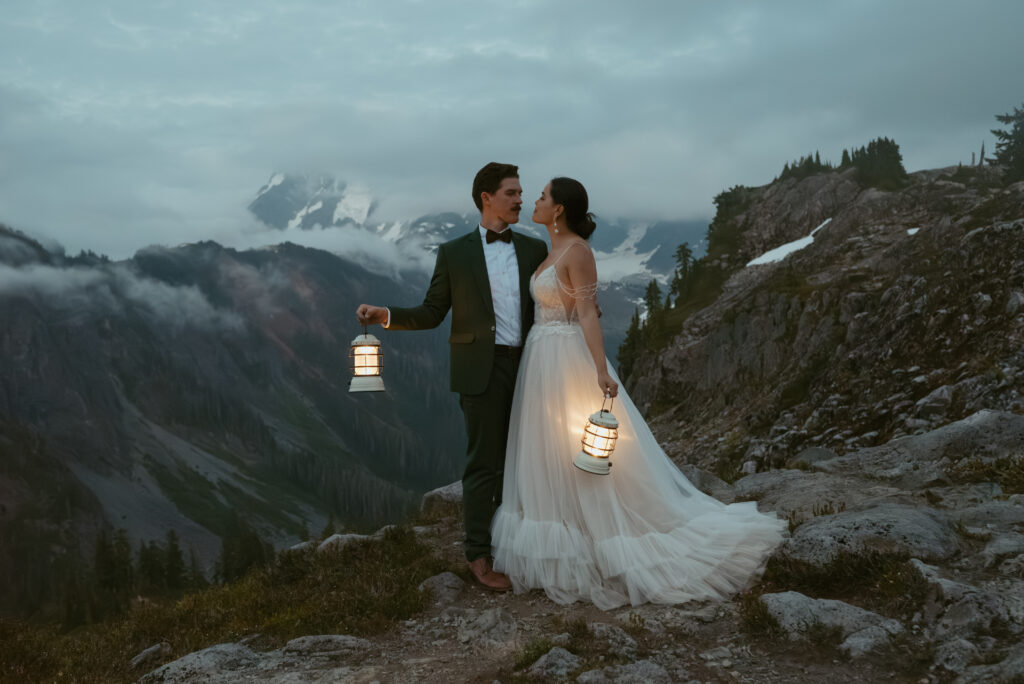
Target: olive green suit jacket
x,y
460,283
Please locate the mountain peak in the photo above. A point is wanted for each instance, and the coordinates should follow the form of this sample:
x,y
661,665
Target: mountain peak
x,y
309,201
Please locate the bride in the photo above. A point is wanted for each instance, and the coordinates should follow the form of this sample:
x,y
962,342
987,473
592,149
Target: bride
x,y
642,533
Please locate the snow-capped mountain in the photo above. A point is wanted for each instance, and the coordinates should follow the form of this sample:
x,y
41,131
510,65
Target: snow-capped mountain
x,y
293,201
625,250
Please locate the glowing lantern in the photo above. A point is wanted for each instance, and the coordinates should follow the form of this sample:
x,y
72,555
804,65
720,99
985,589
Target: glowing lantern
x,y
599,437
367,363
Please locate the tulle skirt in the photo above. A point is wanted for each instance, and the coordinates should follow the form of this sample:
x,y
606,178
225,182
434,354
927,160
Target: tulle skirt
x,y
641,534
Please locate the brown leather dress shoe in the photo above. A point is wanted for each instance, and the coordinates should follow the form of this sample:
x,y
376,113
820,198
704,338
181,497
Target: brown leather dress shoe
x,y
487,577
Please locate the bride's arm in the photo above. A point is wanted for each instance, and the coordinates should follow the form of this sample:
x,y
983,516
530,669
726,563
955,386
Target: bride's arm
x,y
582,272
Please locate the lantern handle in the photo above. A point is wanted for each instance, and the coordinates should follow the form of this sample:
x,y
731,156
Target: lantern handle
x,y
607,398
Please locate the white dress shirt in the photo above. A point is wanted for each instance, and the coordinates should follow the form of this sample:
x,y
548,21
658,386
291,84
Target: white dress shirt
x,y
503,273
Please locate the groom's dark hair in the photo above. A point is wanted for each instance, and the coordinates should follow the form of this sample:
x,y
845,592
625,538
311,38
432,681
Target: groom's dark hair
x,y
488,179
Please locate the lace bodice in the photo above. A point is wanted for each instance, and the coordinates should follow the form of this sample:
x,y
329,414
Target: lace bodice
x,y
548,289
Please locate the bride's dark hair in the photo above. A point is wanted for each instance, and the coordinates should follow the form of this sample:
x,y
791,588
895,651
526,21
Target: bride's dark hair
x,y
571,194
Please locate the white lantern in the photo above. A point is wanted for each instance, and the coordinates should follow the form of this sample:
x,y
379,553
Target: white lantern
x,y
599,437
367,363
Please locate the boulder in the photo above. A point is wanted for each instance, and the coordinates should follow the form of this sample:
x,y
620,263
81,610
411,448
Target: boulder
x,y
442,499
493,627
955,655
556,663
618,641
919,461
862,630
640,672
216,663
151,655
445,587
810,456
327,645
920,532
1009,669
710,484
808,494
336,542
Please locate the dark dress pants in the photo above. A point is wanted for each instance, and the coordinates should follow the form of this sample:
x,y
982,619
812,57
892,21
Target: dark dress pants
x,y
487,417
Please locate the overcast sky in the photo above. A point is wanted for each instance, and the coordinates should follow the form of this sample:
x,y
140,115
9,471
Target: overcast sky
x,y
125,123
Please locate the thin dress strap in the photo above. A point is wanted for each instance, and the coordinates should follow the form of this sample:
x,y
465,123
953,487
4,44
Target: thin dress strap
x,y
582,292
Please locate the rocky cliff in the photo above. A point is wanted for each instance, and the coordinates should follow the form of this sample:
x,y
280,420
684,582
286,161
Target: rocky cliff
x,y
903,311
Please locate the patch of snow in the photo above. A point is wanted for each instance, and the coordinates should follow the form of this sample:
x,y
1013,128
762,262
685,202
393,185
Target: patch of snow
x,y
297,221
624,260
779,253
354,205
274,181
912,231
392,233
315,207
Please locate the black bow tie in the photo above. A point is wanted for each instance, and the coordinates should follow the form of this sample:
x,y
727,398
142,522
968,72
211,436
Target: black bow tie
x,y
504,236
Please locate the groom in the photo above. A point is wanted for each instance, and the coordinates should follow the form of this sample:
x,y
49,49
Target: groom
x,y
484,278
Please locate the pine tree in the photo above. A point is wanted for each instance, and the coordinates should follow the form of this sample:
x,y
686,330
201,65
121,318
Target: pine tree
x,y
684,268
845,163
174,564
652,298
630,348
151,568
1010,145
195,579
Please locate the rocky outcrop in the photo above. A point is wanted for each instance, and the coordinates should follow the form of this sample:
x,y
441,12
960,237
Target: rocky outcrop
x,y
901,316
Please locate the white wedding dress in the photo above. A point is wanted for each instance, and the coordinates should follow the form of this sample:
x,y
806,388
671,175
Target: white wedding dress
x,y
641,534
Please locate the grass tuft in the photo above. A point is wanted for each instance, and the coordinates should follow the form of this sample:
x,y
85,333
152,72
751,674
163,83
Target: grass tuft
x,y
886,583
756,619
360,590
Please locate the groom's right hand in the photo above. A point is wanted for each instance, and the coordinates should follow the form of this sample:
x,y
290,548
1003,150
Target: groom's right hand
x,y
368,314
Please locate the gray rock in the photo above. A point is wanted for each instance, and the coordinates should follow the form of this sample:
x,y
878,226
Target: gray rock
x,y
640,672
336,542
152,654
1014,567
956,608
1002,546
955,655
215,663
812,455
862,630
887,528
327,645
437,500
493,627
865,640
808,493
710,484
302,546
445,587
617,639
936,403
920,461
1014,303
1010,669
555,663
379,534
720,653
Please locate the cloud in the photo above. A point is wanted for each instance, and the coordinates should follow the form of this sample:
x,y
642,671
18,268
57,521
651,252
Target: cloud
x,y
113,289
125,124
